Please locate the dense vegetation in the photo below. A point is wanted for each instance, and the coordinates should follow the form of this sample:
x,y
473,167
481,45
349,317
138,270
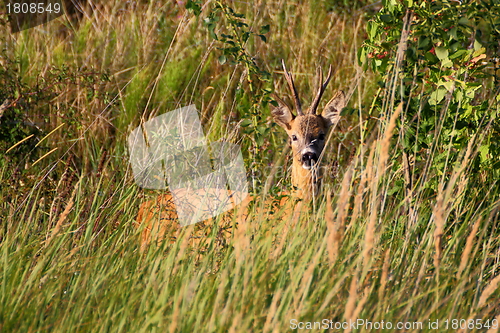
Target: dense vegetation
x,y
406,230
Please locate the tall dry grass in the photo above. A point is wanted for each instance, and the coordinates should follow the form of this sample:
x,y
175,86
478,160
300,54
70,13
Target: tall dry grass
x,y
70,255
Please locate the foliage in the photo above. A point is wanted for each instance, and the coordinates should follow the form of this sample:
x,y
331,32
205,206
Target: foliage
x,y
15,99
26,110
229,29
447,67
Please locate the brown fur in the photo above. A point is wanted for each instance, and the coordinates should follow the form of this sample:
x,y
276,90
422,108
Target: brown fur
x,y
160,221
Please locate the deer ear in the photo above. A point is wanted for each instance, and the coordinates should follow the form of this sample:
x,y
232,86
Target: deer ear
x,y
282,114
331,113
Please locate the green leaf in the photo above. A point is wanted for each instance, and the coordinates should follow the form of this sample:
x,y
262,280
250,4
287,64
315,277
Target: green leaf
x,y
459,95
477,45
446,63
464,21
372,29
386,18
478,52
245,122
245,36
484,152
398,185
194,6
264,29
259,140
453,33
222,59
262,129
387,46
448,85
437,96
423,42
441,52
458,54
361,55
471,91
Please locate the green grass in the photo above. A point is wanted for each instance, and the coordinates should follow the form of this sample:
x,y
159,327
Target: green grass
x,y
70,259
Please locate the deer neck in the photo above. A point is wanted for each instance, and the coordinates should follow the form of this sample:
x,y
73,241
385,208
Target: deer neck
x,y
306,182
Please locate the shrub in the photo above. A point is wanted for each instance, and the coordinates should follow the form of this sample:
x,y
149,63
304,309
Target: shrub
x,y
439,55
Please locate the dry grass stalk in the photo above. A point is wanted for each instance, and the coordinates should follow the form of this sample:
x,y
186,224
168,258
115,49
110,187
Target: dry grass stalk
x,y
370,169
440,214
361,303
343,202
409,195
351,301
369,239
458,172
306,281
272,311
384,276
420,276
485,295
438,232
384,155
236,325
358,200
183,247
468,248
41,158
176,311
386,141
19,142
332,244
291,222
63,216
490,289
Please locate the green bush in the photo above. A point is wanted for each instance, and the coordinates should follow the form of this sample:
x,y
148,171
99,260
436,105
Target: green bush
x,y
15,99
31,108
439,54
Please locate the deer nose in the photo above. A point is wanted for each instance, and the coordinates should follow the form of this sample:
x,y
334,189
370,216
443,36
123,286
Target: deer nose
x,y
309,158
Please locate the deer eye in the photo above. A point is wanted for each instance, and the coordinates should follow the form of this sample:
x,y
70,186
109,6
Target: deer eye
x,y
321,137
294,137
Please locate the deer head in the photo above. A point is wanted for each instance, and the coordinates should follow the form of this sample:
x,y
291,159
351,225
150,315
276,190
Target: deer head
x,y
307,131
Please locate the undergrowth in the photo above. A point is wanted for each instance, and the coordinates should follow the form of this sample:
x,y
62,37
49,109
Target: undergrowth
x,y
406,229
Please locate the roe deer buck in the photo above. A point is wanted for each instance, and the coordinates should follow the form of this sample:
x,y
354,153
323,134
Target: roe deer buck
x,y
307,133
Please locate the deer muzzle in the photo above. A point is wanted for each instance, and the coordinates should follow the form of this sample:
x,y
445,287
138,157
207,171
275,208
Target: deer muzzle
x,y
309,158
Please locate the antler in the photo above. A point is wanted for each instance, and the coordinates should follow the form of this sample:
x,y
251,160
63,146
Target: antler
x,y
296,99
321,88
